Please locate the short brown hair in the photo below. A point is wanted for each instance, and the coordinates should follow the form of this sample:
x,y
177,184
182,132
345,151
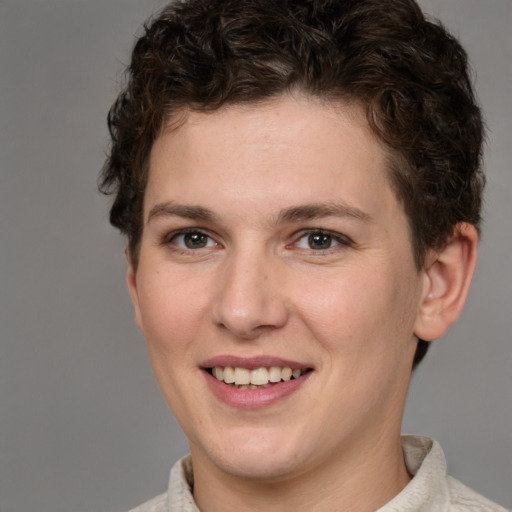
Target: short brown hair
x,y
408,72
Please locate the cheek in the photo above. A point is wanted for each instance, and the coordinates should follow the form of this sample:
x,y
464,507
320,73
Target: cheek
x,y
172,309
172,312
362,327
359,315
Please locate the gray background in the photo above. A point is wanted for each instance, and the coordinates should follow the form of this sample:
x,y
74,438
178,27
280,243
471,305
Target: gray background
x,y
82,424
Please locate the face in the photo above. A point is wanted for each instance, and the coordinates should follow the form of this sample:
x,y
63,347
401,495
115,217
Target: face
x,y
273,244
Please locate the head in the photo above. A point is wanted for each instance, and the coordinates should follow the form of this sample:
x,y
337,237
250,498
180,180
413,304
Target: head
x,y
407,73
300,186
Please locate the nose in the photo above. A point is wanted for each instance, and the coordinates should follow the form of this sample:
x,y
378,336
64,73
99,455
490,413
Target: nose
x,y
250,299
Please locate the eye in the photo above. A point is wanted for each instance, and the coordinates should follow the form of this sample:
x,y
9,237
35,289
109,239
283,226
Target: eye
x,y
319,240
192,240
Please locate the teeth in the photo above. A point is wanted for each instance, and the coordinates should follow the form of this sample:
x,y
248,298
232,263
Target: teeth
x,y
259,376
274,374
229,375
286,373
243,378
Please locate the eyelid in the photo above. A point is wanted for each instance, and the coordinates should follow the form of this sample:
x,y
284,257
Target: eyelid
x,y
167,238
340,238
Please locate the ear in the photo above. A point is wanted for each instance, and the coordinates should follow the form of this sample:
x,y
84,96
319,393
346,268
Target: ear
x,y
448,275
131,281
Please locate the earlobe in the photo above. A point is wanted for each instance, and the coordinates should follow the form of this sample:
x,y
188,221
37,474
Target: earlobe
x,y
131,282
448,275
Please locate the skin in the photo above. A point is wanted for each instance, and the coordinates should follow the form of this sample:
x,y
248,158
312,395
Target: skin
x,y
351,311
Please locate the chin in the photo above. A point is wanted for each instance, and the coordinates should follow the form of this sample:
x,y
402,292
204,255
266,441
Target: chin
x,y
259,456
260,466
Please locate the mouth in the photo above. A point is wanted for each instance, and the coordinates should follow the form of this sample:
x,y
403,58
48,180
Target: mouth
x,y
254,382
256,378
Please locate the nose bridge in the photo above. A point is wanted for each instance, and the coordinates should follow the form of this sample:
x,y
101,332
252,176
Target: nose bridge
x,y
249,300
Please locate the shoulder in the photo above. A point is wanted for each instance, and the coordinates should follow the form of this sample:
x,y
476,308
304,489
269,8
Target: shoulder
x,y
464,499
431,489
157,504
179,493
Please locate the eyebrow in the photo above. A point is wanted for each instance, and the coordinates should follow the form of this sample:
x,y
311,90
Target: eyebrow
x,y
321,210
300,213
170,209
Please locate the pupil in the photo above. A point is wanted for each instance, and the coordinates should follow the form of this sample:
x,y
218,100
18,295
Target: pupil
x,y
319,241
195,240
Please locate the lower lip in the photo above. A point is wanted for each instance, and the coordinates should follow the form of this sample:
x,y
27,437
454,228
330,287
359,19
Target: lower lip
x,y
253,398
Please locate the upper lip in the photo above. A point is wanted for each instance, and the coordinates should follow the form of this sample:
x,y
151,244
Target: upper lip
x,y
251,363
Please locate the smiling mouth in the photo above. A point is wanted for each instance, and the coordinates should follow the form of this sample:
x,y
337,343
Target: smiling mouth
x,y
259,378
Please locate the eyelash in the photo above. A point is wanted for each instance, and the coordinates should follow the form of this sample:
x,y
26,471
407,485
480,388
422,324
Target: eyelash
x,y
170,239
339,239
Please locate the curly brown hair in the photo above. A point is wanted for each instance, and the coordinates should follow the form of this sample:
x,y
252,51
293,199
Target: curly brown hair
x,y
408,72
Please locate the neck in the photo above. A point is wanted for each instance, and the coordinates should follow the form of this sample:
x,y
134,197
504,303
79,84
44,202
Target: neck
x,y
359,480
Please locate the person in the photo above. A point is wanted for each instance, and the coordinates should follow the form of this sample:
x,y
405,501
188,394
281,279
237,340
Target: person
x,y
300,185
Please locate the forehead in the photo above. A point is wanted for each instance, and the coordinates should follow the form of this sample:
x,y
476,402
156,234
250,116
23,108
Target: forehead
x,y
288,150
